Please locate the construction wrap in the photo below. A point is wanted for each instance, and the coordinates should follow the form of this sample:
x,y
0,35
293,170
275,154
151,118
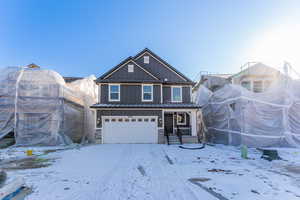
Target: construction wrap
x,y
39,108
236,116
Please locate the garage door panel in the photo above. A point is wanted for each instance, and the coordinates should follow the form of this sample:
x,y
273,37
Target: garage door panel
x,y
133,130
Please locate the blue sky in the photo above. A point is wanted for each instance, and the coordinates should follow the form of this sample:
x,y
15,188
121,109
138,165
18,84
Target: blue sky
x,y
79,38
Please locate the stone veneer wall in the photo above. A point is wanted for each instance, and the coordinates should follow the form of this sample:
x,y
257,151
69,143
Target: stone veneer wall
x,y
98,136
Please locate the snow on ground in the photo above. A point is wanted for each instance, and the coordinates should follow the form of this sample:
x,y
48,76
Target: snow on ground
x,y
149,171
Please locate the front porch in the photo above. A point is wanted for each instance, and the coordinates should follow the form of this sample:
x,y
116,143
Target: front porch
x,y
180,125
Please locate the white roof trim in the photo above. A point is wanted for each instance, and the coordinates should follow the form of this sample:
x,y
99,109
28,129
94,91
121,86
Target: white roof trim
x,y
131,60
162,64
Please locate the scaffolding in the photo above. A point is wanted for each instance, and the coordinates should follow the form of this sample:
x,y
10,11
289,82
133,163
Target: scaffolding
x,y
39,108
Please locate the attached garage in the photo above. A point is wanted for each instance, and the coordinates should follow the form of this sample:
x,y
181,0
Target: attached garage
x,y
140,129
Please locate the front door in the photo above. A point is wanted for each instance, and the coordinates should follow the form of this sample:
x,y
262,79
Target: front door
x,y
168,122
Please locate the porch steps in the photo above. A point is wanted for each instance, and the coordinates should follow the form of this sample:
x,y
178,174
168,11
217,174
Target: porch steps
x,y
173,139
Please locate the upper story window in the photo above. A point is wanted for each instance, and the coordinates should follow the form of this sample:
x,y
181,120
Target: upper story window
x,y
147,92
146,59
176,93
114,92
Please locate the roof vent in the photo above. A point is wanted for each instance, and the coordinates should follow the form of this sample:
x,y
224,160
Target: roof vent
x,y
165,79
146,59
130,68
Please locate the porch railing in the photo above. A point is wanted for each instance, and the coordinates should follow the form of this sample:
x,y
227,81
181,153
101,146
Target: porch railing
x,y
179,134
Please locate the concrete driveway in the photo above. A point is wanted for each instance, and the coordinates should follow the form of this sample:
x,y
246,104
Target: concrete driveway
x,y
119,171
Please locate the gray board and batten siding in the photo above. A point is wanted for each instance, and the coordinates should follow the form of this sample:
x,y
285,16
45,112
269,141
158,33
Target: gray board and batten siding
x,y
130,94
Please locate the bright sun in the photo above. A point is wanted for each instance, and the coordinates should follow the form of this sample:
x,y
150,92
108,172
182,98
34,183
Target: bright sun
x,y
276,45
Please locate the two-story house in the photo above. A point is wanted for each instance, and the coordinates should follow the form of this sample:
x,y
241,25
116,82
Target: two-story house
x,y
141,98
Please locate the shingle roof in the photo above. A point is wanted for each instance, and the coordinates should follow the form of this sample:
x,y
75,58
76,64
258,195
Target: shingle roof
x,y
173,105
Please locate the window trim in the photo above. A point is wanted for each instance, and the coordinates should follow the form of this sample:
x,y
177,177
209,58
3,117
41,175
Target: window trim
x,y
109,92
173,101
147,100
184,123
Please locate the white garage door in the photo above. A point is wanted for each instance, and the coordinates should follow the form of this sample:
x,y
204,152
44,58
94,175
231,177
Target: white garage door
x,y
129,130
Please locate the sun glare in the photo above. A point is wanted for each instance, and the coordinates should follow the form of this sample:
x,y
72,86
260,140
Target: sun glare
x,y
276,45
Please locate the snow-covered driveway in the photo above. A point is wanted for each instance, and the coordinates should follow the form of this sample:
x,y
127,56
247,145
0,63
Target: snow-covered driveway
x,y
149,171
123,171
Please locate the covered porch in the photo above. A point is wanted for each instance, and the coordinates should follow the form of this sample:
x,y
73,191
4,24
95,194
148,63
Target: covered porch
x,y
180,121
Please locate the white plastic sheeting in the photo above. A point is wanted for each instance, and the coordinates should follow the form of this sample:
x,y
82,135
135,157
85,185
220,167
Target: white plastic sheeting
x,y
40,109
202,95
237,116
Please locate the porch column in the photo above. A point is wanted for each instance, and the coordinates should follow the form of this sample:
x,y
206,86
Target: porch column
x,y
194,123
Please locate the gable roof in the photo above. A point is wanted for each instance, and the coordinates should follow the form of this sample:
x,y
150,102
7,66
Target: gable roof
x,y
146,50
122,64
153,55
256,68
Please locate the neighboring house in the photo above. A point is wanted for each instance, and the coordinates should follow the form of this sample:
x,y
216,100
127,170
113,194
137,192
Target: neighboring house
x,y
141,98
212,81
256,77
69,79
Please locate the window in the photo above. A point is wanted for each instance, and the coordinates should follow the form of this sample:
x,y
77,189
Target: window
x,y
176,93
114,92
246,84
267,84
130,68
181,119
257,86
147,92
146,59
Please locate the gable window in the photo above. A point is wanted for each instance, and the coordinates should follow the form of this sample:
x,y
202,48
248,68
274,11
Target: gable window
x,y
181,119
130,68
176,92
147,92
257,86
114,92
146,59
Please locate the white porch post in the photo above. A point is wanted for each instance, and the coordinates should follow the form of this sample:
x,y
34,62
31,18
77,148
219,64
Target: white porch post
x,y
194,123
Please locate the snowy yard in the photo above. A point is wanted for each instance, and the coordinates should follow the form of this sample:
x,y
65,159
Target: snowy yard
x,y
147,171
